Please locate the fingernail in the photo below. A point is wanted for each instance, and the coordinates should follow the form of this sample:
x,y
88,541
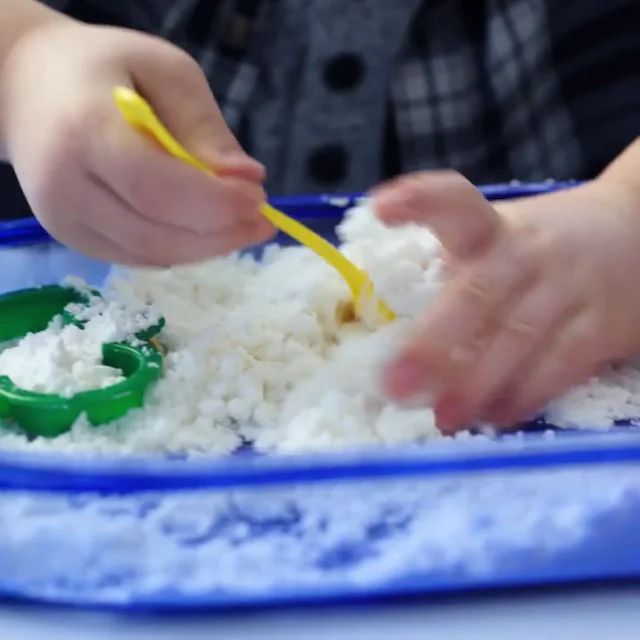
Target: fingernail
x,y
235,157
387,204
406,378
500,413
263,230
450,414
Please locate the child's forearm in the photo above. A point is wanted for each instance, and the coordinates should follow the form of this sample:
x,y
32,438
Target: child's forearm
x,y
625,171
17,19
620,179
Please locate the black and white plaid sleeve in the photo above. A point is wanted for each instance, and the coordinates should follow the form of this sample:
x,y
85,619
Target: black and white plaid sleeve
x,y
518,89
596,53
226,37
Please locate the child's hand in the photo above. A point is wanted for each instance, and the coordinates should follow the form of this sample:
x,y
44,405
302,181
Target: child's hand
x,y
542,292
102,188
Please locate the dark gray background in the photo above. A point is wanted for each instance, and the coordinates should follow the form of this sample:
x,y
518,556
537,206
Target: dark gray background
x,y
12,203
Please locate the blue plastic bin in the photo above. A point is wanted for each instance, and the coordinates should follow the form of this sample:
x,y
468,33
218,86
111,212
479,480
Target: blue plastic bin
x,y
159,533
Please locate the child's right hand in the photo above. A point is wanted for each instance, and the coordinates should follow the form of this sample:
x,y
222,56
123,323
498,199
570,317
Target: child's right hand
x,y
541,293
100,187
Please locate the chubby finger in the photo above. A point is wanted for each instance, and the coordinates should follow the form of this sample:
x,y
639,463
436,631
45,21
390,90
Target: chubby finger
x,y
223,163
157,244
94,244
518,336
568,359
449,205
456,331
165,189
177,88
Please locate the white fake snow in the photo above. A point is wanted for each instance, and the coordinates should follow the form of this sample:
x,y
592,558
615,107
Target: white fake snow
x,y
309,538
256,353
60,360
66,359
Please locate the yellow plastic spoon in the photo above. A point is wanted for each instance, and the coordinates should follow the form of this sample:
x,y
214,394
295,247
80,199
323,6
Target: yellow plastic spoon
x,y
139,113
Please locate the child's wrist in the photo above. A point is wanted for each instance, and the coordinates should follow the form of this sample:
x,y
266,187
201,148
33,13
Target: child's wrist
x,y
622,177
618,186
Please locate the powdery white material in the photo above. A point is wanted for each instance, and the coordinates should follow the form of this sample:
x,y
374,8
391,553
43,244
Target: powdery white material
x,y
257,354
59,360
613,396
65,359
305,539
109,317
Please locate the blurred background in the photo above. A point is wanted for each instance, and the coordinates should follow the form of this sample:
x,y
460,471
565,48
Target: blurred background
x,y
12,203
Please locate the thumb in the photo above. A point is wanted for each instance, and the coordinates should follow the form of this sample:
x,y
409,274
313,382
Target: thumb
x,y
174,84
445,202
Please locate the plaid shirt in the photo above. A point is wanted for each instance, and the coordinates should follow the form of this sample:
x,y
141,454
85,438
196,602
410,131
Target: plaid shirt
x,y
335,95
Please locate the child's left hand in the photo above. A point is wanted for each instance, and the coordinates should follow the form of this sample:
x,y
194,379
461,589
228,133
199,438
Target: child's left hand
x,y
543,291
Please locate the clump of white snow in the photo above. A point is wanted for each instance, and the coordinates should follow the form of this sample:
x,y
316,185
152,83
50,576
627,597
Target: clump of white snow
x,y
257,352
58,360
612,396
65,359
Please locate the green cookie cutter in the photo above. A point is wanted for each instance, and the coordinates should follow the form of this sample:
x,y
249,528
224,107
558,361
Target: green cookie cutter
x,y
49,415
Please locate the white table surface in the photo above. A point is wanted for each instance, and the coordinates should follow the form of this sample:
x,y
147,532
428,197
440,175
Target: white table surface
x,y
607,613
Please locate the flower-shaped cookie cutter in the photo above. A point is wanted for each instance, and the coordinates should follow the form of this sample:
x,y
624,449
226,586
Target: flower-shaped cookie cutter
x,y
49,415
